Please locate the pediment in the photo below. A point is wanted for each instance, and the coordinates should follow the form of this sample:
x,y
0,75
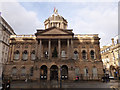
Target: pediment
x,y
54,31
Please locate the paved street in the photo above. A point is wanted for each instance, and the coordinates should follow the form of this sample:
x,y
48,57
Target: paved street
x,y
75,84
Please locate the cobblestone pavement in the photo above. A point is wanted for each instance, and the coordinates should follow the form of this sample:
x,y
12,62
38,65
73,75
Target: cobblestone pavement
x,y
75,84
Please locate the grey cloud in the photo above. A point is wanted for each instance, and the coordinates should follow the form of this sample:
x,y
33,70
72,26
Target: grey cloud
x,y
21,20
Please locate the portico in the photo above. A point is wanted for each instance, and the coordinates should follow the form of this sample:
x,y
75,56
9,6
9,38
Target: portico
x,y
62,52
61,44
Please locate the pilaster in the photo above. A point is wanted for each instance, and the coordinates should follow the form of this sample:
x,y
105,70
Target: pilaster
x,y
68,48
49,49
59,48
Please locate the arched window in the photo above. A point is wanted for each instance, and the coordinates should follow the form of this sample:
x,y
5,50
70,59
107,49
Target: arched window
x,y
33,55
84,54
75,55
23,71
94,71
85,71
77,71
16,55
25,55
31,71
63,54
92,54
14,71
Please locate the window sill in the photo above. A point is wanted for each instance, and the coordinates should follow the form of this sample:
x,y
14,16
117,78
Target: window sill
x,y
15,59
84,59
33,60
24,59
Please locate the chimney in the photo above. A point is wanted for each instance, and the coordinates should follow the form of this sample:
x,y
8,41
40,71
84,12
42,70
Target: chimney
x,y
112,41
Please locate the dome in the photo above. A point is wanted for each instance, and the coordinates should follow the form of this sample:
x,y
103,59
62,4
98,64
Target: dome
x,y
55,21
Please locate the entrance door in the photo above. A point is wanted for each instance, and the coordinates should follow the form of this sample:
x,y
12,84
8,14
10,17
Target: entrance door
x,y
43,72
64,72
54,72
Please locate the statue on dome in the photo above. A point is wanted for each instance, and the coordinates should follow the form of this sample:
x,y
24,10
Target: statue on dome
x,y
55,11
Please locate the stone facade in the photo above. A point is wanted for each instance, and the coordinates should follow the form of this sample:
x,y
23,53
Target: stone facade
x,y
53,52
111,57
5,32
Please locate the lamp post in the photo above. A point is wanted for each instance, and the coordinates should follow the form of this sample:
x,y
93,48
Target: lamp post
x,y
60,77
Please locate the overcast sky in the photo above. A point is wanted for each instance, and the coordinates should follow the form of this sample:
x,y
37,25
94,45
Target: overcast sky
x,y
83,17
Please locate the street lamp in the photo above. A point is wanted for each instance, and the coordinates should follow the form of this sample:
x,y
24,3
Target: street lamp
x,y
60,77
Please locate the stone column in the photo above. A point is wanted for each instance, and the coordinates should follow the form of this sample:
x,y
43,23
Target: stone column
x,y
59,74
52,25
29,52
68,48
13,50
48,74
59,48
21,51
10,52
36,51
49,49
88,53
96,54
40,47
71,48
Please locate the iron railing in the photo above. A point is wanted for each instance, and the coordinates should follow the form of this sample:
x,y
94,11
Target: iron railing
x,y
78,77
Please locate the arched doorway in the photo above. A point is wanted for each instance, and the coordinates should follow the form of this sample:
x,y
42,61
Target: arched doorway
x,y
64,72
112,71
54,72
43,72
75,55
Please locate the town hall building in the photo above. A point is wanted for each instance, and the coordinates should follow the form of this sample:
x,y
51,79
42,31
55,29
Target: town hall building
x,y
54,52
